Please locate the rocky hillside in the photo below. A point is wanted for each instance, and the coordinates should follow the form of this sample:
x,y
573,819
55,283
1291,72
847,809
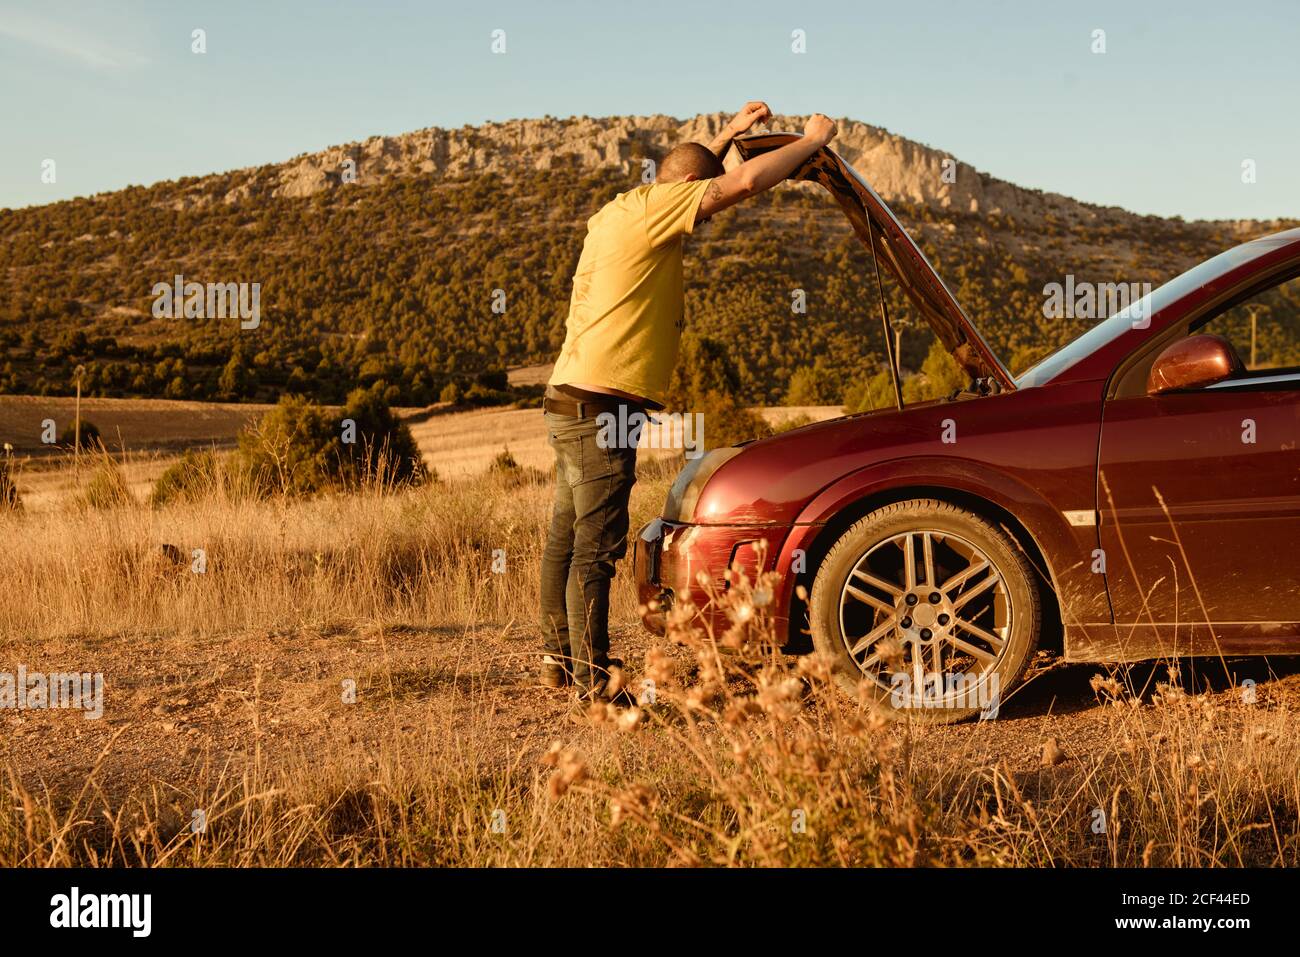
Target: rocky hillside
x,y
434,260
898,168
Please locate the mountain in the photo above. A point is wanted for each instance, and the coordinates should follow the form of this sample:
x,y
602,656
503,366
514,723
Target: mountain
x,y
438,258
899,169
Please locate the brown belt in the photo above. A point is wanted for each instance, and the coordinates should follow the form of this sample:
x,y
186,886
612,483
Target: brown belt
x,y
587,408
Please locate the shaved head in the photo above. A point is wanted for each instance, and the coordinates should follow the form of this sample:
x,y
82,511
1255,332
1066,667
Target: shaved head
x,y
689,161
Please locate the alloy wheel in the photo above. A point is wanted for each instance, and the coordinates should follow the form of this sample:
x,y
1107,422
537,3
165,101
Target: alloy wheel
x,y
928,604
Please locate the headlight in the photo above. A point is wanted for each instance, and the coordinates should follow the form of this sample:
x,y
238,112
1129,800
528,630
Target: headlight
x,y
690,482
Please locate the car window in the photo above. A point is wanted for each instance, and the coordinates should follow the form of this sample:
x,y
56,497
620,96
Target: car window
x,y
1109,330
1264,329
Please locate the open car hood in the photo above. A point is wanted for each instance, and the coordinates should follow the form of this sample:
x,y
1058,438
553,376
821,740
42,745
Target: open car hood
x,y
896,252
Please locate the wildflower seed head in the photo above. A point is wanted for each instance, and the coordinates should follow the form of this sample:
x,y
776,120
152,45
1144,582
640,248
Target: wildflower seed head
x,y
616,682
658,666
636,800
817,666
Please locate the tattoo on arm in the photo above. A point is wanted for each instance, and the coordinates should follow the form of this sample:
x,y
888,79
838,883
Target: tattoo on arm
x,y
715,191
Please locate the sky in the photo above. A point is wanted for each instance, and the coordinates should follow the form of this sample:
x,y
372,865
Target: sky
x,y
1161,122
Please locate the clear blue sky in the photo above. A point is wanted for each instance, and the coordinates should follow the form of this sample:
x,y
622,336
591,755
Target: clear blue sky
x,y
1160,123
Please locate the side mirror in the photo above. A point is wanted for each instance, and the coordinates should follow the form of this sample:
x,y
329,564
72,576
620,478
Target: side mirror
x,y
1192,363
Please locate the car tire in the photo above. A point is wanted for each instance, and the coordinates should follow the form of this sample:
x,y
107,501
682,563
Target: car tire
x,y
993,610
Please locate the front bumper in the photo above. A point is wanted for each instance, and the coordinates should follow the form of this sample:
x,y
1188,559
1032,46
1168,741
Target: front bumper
x,y
674,563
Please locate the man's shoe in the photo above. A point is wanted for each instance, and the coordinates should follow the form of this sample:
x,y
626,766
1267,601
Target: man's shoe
x,y
589,703
554,674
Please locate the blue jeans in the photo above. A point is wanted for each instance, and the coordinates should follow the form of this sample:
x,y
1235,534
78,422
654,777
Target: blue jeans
x,y
588,535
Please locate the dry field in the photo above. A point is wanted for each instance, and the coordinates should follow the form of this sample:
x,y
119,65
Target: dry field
x,y
147,435
349,682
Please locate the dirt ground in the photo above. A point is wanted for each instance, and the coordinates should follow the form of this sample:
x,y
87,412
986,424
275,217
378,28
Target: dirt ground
x,y
176,708
173,707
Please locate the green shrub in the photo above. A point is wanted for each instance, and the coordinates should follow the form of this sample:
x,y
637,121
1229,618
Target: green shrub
x,y
504,462
383,449
792,422
299,447
90,438
480,395
813,385
289,451
507,468
707,381
195,476
873,392
940,376
107,487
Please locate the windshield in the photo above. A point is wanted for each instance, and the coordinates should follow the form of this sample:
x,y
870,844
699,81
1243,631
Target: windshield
x,y
1105,332
1136,315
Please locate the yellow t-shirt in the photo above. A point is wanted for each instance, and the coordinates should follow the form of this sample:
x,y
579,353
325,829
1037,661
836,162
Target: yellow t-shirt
x,y
626,314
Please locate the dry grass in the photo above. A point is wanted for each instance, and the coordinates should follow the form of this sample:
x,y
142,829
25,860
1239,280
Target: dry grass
x,y
423,557
745,757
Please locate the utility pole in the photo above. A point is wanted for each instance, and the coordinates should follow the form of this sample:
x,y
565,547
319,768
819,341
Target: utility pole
x,y
899,325
1255,309
1252,338
76,433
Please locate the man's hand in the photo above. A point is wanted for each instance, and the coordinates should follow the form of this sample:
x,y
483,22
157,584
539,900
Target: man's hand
x,y
755,111
765,170
820,128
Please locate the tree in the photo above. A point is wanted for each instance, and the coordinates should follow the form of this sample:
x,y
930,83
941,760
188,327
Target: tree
x,y
706,381
90,437
813,385
236,380
940,376
299,447
873,392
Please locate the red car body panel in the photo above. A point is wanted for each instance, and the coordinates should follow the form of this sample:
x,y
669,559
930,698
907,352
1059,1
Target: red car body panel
x,y
1066,462
788,489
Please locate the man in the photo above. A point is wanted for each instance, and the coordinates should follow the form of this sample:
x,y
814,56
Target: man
x,y
620,346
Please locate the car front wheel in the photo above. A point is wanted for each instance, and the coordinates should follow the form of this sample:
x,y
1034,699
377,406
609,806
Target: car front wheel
x,y
929,608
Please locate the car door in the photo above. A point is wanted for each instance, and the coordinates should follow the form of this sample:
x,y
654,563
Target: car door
x,y
1199,490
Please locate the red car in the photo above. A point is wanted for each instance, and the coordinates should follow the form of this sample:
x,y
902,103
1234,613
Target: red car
x,y
1134,495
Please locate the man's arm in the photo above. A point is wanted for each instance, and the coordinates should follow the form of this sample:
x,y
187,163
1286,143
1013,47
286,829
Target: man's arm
x,y
765,171
755,111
